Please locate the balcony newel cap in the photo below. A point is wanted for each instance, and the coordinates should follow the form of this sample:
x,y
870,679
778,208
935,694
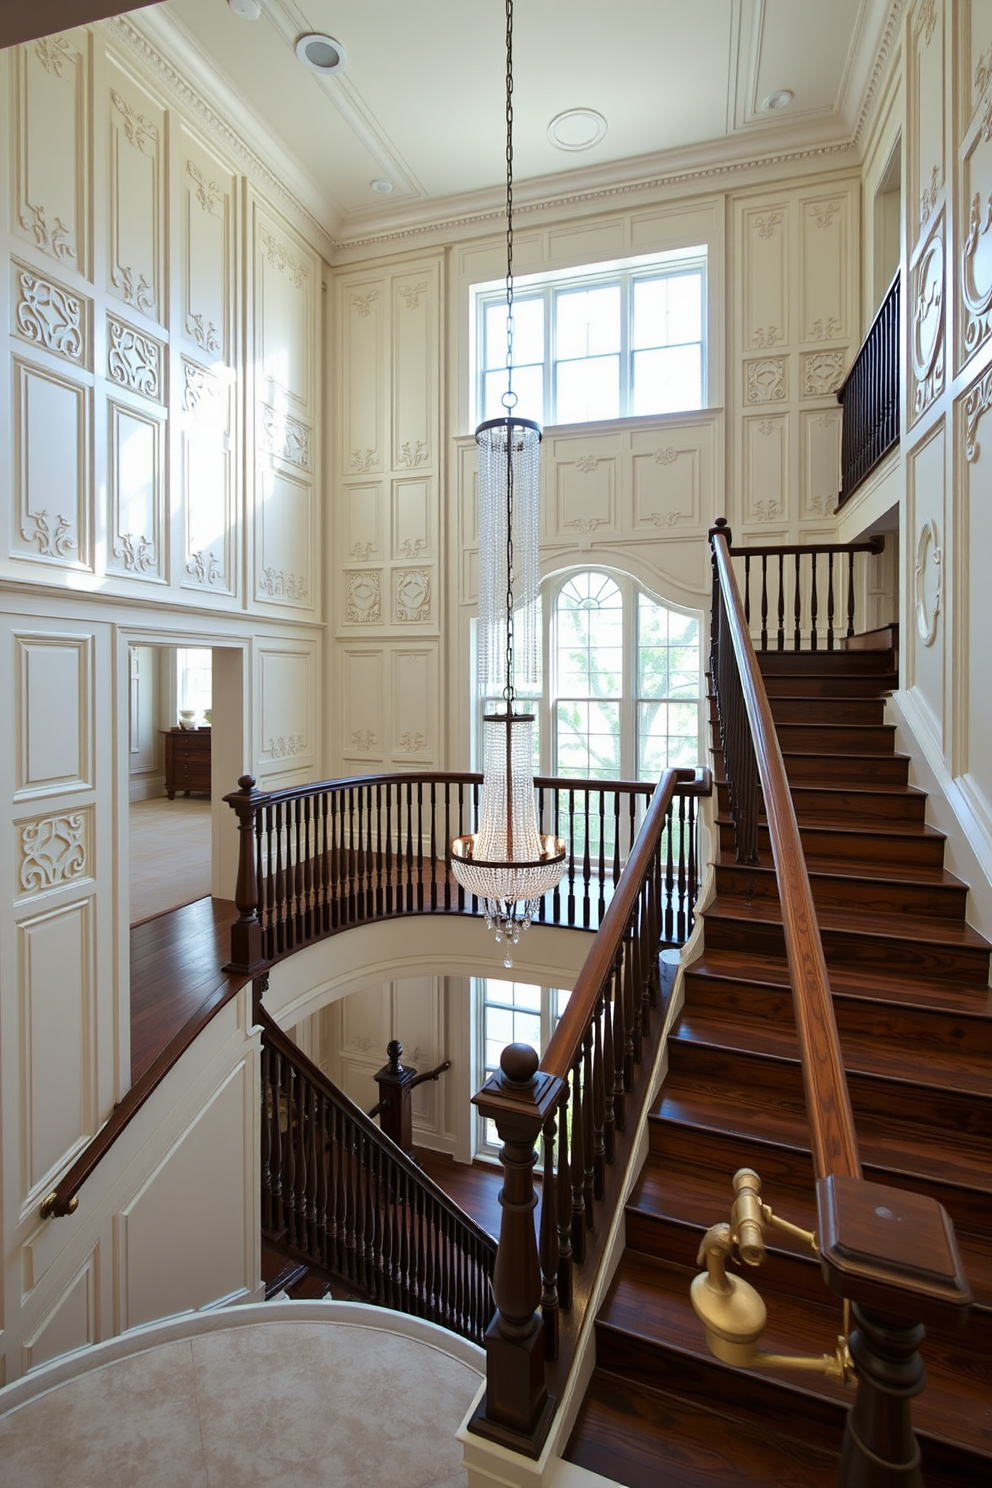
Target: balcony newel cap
x,y
519,1087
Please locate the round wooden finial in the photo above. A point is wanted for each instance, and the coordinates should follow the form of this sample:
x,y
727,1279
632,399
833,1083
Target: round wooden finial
x,y
394,1053
519,1064
246,782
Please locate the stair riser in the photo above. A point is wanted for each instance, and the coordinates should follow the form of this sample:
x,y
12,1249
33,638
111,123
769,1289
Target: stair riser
x,y
787,1169
849,803
879,664
836,740
863,711
888,1024
908,848
847,769
935,901
808,684
843,949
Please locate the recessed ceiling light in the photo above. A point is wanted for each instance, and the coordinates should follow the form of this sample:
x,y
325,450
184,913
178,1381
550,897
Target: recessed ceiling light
x,y
321,53
382,186
248,10
577,129
778,100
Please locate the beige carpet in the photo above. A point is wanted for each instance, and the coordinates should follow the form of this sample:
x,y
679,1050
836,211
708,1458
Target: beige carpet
x,y
170,854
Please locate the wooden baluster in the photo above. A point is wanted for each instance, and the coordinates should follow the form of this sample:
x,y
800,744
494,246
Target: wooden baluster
x,y
321,1145
447,838
277,1143
420,844
289,1156
564,1207
300,1161
797,608
631,820
516,1403
571,857
692,872
669,885
578,1165
850,593
313,1157
631,1009
556,897
682,888
616,838
403,1224
764,601
609,1070
338,1189
586,861
408,868
246,932
747,589
549,1245
598,1101
588,1132
434,862
299,861
813,634
830,600
278,880
781,602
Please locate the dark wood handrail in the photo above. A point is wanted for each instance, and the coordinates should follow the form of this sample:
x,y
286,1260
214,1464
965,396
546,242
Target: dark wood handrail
x,y
870,545
835,1145
277,1039
559,1056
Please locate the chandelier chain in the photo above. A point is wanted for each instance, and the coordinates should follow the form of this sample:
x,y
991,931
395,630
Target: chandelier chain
x,y
509,398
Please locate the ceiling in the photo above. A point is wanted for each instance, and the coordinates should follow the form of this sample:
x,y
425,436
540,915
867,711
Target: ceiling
x,y
420,102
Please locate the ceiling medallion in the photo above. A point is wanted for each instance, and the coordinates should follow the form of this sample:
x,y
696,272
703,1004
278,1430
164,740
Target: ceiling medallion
x,y
577,129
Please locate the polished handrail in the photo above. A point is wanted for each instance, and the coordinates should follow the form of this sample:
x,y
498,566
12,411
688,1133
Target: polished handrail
x,y
835,1145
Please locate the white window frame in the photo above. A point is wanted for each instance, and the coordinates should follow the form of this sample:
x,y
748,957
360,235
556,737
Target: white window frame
x,y
481,989
590,276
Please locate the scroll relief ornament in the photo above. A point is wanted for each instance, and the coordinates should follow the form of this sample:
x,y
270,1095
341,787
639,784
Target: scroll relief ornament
x,y
285,437
411,294
764,336
976,404
138,131
412,594
823,213
133,360
362,304
203,331
207,193
280,258
411,743
279,585
54,53
586,463
49,316
766,380
929,194
138,553
140,295
200,391
204,567
976,275
53,852
764,226
929,582
928,325
52,534
363,601
983,74
55,240
412,452
286,747
363,739
823,373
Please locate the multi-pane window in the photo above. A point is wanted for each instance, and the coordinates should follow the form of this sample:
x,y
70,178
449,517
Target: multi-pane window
x,y
598,345
512,1013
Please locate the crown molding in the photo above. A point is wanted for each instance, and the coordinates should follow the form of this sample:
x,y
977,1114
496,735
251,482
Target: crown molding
x,y
885,58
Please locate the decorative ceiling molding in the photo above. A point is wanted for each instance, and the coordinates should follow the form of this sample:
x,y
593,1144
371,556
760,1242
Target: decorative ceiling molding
x,y
887,50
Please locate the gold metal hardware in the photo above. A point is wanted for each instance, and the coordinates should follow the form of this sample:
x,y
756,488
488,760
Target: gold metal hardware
x,y
49,1201
731,1309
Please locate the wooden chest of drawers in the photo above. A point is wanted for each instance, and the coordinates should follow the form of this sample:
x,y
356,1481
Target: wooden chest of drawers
x,y
187,760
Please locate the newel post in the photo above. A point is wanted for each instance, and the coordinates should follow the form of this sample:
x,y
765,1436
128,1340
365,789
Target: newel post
x,y
246,932
892,1254
516,1409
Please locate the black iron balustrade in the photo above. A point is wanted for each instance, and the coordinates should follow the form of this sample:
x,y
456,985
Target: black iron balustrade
x,y
869,396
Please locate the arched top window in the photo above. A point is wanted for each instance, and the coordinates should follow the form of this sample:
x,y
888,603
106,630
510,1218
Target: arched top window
x,y
622,681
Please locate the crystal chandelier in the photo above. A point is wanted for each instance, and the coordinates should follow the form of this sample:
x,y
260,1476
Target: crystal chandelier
x,y
508,863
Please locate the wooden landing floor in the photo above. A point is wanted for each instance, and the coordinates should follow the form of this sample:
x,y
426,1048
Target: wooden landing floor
x,y
176,961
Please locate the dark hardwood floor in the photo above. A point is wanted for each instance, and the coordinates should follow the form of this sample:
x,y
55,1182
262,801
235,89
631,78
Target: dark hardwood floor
x,y
176,962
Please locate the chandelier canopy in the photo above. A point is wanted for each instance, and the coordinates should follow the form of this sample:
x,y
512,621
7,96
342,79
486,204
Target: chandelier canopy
x,y
508,863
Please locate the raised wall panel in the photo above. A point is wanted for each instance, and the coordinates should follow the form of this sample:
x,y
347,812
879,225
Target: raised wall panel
x,y
52,476
286,285
286,687
54,851
824,262
973,532
53,714
362,597
415,346
285,540
57,1056
362,703
819,432
412,526
136,195
137,517
927,321
362,329
765,279
135,361
50,316
205,1173
670,471
973,281
766,468
926,114
413,692
925,545
207,480
363,521
51,163
206,259
414,598
586,481
72,1321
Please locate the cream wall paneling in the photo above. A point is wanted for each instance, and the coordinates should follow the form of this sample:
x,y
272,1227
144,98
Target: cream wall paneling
x,y
51,196
287,684
389,707
136,192
973,279
796,287
924,610
286,345
971,715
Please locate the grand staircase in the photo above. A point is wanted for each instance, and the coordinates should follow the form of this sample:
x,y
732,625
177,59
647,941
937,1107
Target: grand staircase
x,y
914,1012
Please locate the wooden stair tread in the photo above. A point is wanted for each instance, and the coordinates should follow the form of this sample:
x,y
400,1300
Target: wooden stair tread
x,y
640,1437
948,1069
649,1300
858,922
910,873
